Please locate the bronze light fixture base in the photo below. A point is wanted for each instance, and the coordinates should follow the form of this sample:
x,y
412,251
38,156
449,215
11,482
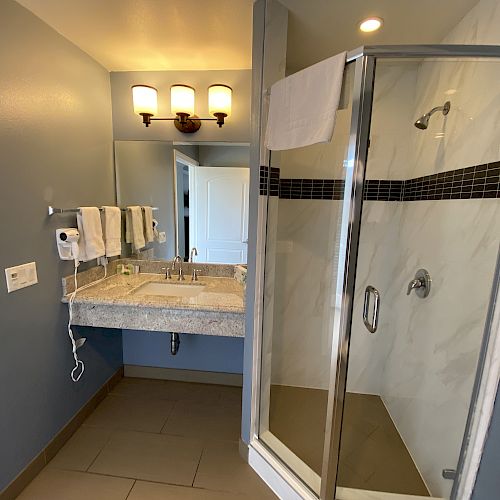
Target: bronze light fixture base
x,y
187,124
220,118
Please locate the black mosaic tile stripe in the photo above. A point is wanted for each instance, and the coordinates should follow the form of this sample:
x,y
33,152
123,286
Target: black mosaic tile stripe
x,y
311,189
264,178
480,181
383,190
269,179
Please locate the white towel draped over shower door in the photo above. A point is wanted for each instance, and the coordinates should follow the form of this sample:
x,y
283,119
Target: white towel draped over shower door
x,y
303,106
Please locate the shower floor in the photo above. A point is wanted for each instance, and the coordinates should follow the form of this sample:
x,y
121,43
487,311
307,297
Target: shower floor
x,y
372,456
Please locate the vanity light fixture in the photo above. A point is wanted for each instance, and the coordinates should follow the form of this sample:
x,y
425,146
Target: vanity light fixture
x,y
370,24
145,99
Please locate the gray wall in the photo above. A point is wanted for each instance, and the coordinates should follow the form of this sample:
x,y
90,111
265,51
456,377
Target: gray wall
x,y
145,176
55,148
488,479
225,156
197,352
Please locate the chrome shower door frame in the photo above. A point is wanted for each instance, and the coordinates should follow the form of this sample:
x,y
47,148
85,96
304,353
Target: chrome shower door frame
x,y
364,59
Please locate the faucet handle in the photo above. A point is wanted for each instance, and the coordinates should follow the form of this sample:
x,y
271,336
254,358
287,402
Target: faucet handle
x,y
168,274
194,276
421,284
416,283
181,275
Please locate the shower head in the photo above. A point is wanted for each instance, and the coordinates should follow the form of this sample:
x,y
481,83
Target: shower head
x,y
423,122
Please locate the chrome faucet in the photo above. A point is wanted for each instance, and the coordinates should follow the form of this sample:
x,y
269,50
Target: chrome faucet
x,y
181,273
194,253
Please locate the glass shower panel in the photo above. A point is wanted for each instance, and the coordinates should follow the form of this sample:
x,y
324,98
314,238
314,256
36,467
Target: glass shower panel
x,y
305,189
431,202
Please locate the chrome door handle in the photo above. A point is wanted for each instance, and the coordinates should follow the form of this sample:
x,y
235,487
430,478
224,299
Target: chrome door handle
x,y
372,325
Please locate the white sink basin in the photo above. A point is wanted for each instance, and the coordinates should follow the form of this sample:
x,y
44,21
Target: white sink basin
x,y
169,289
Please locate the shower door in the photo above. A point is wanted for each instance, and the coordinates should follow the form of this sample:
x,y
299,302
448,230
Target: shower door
x,y
356,361
429,239
310,194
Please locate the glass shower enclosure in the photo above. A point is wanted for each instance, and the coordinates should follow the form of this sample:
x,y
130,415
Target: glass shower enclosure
x,y
380,254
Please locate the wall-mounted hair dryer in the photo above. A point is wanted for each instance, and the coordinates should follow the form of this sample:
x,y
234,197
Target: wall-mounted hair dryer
x,y
67,243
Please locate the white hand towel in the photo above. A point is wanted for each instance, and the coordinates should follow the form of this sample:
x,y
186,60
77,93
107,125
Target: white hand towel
x,y
303,106
135,228
112,230
148,224
90,244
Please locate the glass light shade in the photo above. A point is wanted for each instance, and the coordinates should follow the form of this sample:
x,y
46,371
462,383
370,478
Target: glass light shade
x,y
182,99
145,99
219,99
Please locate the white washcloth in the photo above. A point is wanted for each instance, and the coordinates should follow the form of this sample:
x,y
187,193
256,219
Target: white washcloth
x,y
148,224
112,230
90,244
156,234
135,228
303,105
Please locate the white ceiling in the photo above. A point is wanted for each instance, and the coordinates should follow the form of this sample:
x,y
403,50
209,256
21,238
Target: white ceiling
x,y
318,29
133,35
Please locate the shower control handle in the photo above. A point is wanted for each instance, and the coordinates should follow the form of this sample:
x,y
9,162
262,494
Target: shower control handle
x,y
421,284
416,283
372,325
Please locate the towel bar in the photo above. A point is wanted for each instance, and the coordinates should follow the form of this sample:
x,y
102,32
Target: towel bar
x,y
53,210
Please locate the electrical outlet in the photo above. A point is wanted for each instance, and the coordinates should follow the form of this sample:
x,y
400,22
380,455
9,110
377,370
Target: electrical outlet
x,y
162,237
21,276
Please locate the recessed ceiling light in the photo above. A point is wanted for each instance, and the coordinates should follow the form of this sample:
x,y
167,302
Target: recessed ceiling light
x,y
370,24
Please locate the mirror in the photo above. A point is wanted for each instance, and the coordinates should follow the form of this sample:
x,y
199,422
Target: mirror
x,y
199,192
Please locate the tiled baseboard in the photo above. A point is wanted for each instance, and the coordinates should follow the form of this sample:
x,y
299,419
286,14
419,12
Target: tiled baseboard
x,y
47,454
200,377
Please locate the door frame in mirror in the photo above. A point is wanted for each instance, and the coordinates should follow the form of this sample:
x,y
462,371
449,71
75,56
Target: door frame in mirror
x,y
183,159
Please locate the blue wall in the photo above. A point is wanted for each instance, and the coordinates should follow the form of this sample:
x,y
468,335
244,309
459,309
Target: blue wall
x,y
197,352
56,149
488,478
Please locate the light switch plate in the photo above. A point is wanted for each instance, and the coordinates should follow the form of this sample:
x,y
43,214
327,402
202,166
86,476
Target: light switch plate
x,y
21,276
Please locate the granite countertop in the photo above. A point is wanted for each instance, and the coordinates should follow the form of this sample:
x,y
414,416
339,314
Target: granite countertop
x,y
219,309
219,294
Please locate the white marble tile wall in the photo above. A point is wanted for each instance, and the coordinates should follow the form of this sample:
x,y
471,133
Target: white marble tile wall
x,y
268,307
429,365
472,88
377,264
425,366
392,120
305,259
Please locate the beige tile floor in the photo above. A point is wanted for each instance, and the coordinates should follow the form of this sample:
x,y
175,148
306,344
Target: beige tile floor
x,y
372,453
154,440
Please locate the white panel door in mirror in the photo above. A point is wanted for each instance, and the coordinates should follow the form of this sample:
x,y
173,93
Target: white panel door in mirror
x,y
219,214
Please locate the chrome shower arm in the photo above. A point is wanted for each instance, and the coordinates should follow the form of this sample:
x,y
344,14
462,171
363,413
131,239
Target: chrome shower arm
x,y
445,108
